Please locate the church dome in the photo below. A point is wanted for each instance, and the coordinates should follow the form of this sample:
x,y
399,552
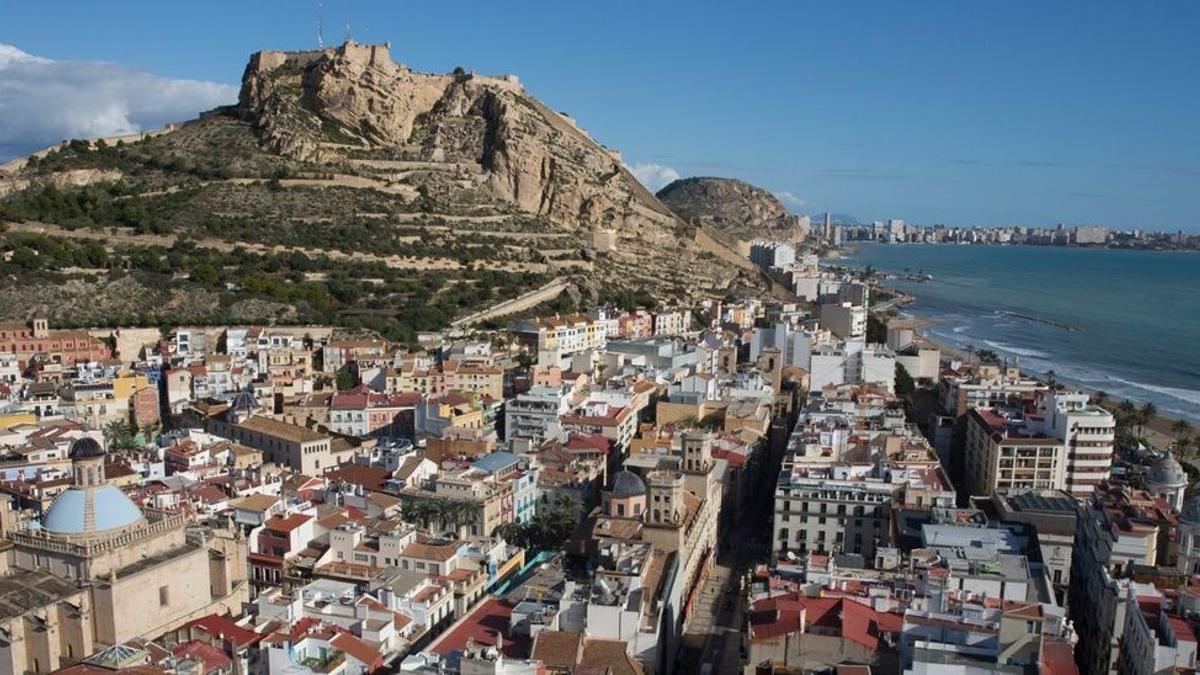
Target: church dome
x,y
244,403
627,484
1167,472
85,448
1190,513
91,510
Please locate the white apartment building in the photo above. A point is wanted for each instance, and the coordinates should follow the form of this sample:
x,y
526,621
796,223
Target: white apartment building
x,y
768,254
1089,432
992,386
534,414
10,368
846,320
872,364
1155,640
556,339
832,509
1067,446
672,322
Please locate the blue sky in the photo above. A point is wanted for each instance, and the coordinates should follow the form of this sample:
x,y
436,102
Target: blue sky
x,y
955,112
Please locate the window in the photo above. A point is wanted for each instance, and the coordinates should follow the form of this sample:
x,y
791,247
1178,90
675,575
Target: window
x,y
164,596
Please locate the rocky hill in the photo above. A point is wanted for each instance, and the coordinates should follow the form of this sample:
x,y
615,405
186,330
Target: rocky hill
x,y
731,206
346,187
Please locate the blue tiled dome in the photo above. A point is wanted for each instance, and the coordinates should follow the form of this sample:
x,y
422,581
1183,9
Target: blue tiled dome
x,y
88,510
627,484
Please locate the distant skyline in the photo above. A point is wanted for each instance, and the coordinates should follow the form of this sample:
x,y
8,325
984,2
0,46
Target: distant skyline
x,y
979,113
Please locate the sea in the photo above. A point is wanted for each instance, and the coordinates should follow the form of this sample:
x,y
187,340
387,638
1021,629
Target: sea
x,y
1119,321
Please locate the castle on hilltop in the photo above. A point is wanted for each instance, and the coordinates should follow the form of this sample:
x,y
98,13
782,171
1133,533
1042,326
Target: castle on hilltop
x,y
373,55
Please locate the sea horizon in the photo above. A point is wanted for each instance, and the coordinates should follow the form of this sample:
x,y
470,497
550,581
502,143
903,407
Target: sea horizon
x,y
1107,320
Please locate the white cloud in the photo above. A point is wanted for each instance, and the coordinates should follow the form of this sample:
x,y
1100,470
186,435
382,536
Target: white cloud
x,y
44,101
654,176
790,199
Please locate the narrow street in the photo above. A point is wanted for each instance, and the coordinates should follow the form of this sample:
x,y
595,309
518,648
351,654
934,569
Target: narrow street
x,y
714,634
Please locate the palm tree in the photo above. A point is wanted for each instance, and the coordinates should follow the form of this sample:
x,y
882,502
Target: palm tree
x,y
1145,416
970,349
1051,378
118,435
1100,398
1181,429
1125,413
1126,410
418,511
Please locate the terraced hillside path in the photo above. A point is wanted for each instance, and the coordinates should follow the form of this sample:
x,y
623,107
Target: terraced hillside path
x,y
111,239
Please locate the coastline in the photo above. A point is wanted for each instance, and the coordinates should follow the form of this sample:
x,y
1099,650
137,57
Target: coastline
x,y
1096,318
1157,431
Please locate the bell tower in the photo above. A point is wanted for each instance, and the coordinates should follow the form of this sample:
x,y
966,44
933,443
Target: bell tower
x,y
87,463
664,491
697,452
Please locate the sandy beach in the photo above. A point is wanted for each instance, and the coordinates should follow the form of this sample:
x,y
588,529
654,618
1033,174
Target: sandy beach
x,y
1157,432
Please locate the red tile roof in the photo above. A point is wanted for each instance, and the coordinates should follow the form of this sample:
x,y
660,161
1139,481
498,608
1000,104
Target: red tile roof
x,y
594,442
784,614
284,525
210,656
1058,658
483,625
369,477
360,650
734,458
224,628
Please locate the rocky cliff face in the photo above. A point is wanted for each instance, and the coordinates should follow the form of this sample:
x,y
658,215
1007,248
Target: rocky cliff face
x,y
731,206
532,156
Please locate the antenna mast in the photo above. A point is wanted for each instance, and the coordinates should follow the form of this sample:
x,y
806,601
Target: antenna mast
x,y
320,25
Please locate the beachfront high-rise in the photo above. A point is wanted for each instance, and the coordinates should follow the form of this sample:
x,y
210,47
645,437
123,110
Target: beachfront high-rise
x,y
1067,444
1089,433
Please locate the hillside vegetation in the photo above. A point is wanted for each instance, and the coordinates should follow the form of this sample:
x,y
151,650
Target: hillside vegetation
x,y
347,188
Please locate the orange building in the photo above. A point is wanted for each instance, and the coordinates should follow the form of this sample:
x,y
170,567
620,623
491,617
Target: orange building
x,y
62,346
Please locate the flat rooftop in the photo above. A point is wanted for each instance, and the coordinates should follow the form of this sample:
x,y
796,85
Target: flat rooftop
x,y
1036,503
156,560
26,590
